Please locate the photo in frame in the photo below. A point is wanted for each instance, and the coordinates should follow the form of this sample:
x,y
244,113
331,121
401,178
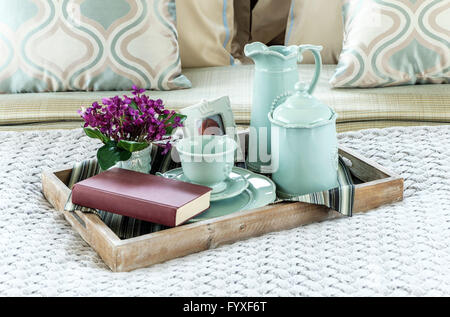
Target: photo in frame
x,y
214,117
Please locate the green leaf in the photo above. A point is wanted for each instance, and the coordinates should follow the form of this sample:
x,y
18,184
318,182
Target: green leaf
x,y
171,121
109,154
182,117
133,105
96,134
131,146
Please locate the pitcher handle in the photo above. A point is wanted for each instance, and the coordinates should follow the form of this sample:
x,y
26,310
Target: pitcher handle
x,y
315,50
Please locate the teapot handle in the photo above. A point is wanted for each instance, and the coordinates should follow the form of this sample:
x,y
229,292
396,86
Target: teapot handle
x,y
315,50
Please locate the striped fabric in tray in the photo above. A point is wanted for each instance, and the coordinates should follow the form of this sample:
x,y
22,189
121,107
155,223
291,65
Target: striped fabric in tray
x,y
340,199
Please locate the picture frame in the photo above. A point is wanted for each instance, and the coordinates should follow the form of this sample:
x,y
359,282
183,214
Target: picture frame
x,y
211,117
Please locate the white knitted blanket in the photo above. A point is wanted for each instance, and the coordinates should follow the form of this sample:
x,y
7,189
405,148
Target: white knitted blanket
x,y
400,249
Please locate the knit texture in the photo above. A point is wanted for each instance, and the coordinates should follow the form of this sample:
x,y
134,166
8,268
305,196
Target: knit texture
x,y
399,249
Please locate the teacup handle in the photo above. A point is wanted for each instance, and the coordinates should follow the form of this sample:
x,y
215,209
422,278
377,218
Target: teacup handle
x,y
315,50
228,168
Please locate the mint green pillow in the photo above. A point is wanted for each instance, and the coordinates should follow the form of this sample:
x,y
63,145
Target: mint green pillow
x,y
61,45
394,42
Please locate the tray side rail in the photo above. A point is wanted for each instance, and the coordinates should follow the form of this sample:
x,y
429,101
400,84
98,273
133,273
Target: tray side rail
x,y
381,187
90,227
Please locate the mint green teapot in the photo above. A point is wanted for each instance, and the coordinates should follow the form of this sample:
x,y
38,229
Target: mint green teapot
x,y
276,73
304,144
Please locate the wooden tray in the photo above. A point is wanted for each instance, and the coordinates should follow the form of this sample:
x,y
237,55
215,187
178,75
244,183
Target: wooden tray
x,y
377,186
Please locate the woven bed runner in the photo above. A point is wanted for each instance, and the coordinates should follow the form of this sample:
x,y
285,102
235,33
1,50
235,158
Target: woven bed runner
x,y
340,199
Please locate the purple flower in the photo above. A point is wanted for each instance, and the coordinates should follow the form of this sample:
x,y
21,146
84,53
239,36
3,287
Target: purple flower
x,y
167,148
137,91
137,118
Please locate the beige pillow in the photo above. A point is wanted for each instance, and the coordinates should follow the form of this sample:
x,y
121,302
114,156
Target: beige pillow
x,y
317,22
269,19
205,31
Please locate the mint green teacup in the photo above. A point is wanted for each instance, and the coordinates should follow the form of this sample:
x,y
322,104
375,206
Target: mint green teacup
x,y
207,159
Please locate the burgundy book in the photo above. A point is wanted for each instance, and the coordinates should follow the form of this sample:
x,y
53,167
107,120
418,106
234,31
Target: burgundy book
x,y
143,196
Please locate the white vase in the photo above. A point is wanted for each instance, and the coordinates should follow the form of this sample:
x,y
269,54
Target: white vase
x,y
139,161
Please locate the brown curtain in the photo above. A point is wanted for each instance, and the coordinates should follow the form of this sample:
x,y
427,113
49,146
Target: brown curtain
x,y
269,20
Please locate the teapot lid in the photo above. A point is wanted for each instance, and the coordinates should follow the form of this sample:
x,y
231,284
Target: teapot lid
x,y
302,109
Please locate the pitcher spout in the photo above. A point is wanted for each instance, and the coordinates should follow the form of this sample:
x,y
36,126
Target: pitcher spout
x,y
258,50
253,49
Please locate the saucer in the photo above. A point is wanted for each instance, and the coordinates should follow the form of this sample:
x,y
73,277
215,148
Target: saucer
x,y
234,185
259,193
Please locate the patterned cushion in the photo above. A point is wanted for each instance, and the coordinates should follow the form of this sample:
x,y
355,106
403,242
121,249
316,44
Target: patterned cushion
x,y
58,45
206,29
394,42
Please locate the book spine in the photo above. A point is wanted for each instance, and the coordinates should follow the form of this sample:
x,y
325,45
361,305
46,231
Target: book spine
x,y
123,205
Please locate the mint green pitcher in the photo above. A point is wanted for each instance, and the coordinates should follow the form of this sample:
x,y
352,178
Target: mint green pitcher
x,y
276,73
